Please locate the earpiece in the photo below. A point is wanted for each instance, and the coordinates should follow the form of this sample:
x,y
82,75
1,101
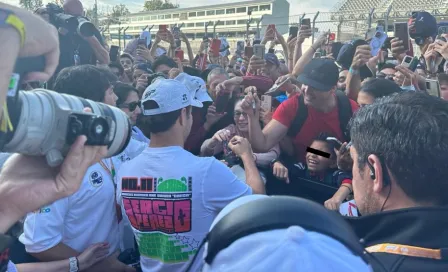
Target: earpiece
x,y
372,171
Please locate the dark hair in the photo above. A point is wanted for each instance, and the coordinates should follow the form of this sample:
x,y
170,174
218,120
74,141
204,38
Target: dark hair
x,y
126,55
161,122
379,87
217,71
443,79
86,81
192,71
388,66
108,74
322,137
408,132
122,91
163,60
117,65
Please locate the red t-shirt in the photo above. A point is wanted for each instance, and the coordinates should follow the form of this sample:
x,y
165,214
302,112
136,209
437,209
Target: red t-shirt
x,y
316,123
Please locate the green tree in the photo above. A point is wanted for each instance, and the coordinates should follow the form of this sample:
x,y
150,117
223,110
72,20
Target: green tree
x,y
119,10
159,5
31,4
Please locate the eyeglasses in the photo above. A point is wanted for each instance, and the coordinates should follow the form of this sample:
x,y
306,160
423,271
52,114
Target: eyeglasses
x,y
131,106
237,114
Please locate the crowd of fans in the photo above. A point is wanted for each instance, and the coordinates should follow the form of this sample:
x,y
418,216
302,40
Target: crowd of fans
x,y
213,134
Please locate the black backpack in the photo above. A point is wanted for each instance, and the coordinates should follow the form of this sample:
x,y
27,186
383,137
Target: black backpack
x,y
345,114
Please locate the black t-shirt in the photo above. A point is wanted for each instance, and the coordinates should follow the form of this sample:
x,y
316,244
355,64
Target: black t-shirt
x,y
69,44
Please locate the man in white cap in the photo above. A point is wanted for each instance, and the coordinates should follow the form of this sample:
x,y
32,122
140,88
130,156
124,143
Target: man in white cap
x,y
169,195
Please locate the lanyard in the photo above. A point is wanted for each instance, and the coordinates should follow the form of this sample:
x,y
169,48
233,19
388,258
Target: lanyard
x,y
405,250
112,175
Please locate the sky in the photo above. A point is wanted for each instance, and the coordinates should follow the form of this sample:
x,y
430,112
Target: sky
x,y
307,6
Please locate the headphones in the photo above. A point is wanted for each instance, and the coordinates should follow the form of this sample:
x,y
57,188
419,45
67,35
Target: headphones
x,y
278,212
386,177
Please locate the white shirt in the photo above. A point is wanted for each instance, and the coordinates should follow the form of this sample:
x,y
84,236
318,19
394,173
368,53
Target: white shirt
x,y
84,218
170,198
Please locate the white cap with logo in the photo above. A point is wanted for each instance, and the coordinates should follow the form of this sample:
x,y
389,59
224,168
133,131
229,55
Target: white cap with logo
x,y
196,86
169,95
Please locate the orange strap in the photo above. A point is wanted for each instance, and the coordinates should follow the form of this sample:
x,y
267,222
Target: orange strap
x,y
406,250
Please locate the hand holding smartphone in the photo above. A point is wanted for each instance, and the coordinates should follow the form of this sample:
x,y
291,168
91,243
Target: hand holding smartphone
x,y
402,32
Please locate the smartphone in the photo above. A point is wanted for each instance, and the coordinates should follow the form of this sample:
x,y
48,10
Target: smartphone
x,y
336,143
163,27
179,54
443,30
293,31
113,53
240,46
317,55
248,51
259,50
377,41
306,22
410,62
332,37
266,103
433,87
221,102
215,47
141,42
402,32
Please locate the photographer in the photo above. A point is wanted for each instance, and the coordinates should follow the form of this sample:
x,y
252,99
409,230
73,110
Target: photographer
x,y
28,183
76,48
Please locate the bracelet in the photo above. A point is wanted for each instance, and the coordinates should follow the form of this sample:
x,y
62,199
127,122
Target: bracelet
x,y
73,262
353,71
346,186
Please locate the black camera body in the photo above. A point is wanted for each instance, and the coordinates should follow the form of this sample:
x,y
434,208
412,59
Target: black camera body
x,y
74,24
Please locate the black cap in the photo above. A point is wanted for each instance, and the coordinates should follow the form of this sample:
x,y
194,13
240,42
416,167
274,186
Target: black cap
x,y
425,25
320,74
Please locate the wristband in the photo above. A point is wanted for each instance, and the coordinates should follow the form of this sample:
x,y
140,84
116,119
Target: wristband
x,y
10,19
73,261
272,162
353,71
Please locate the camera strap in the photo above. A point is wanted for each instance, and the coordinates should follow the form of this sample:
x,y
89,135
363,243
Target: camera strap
x,y
112,173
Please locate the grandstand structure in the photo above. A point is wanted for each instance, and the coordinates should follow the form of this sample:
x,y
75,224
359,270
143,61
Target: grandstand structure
x,y
231,20
353,17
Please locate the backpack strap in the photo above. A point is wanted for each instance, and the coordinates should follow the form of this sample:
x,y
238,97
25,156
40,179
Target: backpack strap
x,y
345,113
299,119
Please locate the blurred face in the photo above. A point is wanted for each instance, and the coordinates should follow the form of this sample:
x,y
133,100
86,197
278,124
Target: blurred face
x,y
315,98
270,70
138,73
126,62
365,99
109,97
73,7
388,72
163,69
365,198
132,107
215,81
116,71
444,91
318,163
342,81
240,118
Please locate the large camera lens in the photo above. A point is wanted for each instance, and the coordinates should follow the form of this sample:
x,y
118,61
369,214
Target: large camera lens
x,y
85,28
48,119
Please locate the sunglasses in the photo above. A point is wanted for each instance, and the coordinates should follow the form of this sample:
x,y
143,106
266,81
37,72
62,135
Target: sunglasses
x,y
131,106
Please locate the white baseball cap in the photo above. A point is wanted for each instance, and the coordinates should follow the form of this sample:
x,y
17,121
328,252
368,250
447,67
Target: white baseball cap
x,y
290,249
169,95
196,86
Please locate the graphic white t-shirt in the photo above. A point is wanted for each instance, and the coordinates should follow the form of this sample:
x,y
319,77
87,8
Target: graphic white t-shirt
x,y
170,198
84,218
